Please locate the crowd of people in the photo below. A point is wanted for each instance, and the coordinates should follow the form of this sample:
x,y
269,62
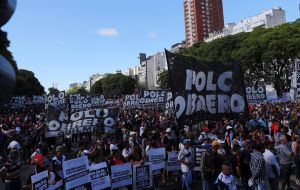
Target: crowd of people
x,y
259,152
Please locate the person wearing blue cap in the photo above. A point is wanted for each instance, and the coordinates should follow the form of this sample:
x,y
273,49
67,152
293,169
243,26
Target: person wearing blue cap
x,y
185,158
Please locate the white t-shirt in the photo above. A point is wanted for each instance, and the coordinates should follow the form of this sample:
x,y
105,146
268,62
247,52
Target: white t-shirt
x,y
185,154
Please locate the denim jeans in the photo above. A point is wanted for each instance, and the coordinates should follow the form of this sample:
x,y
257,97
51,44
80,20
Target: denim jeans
x,y
185,181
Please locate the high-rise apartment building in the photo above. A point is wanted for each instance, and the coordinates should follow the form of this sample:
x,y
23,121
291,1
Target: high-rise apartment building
x,y
201,18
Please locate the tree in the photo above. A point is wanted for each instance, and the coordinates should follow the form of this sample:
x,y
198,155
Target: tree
x,y
4,44
117,84
266,55
96,88
163,80
53,90
77,90
28,84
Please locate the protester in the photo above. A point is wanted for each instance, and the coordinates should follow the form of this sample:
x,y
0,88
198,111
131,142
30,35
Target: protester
x,y
257,167
228,161
285,156
10,172
57,163
272,166
185,158
225,180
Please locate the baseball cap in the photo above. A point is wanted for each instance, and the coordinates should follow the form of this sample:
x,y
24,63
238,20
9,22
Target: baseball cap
x,y
186,141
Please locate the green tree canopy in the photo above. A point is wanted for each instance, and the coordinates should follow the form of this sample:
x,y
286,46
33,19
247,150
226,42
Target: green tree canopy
x,y
96,88
163,80
77,90
4,44
117,84
28,84
266,55
53,90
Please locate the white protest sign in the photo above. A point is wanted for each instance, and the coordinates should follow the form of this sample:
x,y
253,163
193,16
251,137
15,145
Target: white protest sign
x,y
157,167
121,175
99,176
173,166
76,173
40,181
142,176
157,154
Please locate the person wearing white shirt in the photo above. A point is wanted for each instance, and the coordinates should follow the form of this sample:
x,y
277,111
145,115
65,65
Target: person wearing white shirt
x,y
272,167
185,158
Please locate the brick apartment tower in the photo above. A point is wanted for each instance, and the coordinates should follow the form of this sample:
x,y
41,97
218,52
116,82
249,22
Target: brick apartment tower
x,y
201,18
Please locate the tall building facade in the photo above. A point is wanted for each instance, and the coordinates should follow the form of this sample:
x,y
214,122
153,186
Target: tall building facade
x,y
267,19
201,18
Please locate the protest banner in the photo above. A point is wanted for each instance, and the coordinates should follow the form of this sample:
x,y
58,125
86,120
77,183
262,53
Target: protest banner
x,y
295,81
198,153
40,181
152,98
78,102
121,176
173,166
131,101
18,102
55,100
206,90
76,174
112,102
97,101
38,100
99,176
169,107
142,176
157,154
59,123
256,94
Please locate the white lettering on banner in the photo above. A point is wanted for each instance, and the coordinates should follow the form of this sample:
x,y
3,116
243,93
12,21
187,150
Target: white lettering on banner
x,y
200,81
195,103
82,122
213,103
256,94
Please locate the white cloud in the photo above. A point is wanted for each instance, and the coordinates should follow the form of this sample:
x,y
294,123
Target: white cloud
x,y
152,35
111,32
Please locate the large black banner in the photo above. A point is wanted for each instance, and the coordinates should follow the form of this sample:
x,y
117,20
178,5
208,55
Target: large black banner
x,y
206,90
60,123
